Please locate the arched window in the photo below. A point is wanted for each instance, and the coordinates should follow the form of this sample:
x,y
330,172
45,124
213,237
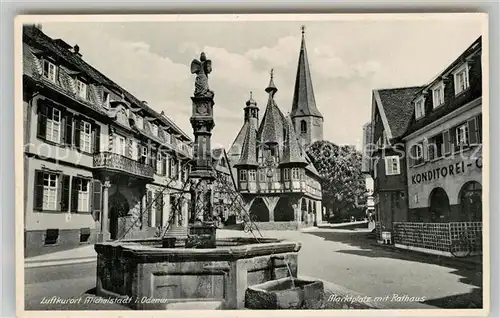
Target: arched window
x,y
303,126
439,205
471,205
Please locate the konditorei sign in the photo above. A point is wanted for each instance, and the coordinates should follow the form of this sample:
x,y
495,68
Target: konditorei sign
x,y
446,171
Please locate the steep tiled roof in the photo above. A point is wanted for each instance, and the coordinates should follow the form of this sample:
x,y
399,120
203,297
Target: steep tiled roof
x,y
311,167
238,141
42,43
273,122
472,55
249,150
304,103
398,108
292,151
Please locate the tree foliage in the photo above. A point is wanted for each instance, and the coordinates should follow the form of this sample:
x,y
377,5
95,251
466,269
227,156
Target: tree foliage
x,y
342,181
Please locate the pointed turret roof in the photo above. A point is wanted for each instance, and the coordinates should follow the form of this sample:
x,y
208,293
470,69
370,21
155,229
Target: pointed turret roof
x,y
235,149
249,150
271,127
304,103
292,152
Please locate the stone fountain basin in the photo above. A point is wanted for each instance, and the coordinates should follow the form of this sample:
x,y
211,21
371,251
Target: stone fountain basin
x,y
285,293
149,276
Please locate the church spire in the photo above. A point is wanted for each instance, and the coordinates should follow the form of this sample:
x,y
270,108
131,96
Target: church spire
x,y
304,103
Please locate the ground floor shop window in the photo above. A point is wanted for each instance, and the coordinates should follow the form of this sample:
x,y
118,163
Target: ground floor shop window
x,y
471,204
439,205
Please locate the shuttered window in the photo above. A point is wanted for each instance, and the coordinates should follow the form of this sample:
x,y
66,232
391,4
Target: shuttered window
x,y
51,191
53,130
85,136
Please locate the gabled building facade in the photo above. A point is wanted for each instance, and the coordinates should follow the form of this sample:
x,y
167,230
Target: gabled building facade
x,y
99,163
444,143
391,113
432,145
275,177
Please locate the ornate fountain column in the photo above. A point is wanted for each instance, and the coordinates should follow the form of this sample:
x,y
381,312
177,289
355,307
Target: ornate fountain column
x,y
201,225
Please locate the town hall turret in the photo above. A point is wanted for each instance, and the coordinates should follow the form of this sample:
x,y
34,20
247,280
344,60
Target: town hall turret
x,y
277,180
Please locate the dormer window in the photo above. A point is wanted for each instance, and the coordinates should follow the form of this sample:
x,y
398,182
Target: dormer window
x,y
438,95
49,71
461,78
419,108
140,122
154,129
105,100
81,89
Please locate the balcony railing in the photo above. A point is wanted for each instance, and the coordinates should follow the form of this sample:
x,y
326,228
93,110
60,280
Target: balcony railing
x,y
119,163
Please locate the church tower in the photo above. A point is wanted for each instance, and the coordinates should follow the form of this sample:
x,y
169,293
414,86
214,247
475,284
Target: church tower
x,y
306,118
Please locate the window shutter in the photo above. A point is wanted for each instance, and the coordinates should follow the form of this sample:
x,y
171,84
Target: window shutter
x,y
43,111
65,193
68,133
447,142
152,160
387,166
128,147
96,199
74,195
38,199
473,138
149,206
97,138
453,138
425,149
77,132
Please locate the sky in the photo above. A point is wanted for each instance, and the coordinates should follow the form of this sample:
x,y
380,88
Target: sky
x,y
348,59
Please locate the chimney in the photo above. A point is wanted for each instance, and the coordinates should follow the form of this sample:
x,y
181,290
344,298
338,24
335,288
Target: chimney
x,y
38,26
76,50
144,102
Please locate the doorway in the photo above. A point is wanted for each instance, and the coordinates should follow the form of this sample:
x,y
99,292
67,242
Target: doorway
x,y
439,206
118,212
471,203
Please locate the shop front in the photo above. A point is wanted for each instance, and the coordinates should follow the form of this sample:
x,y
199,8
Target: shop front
x,y
445,206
